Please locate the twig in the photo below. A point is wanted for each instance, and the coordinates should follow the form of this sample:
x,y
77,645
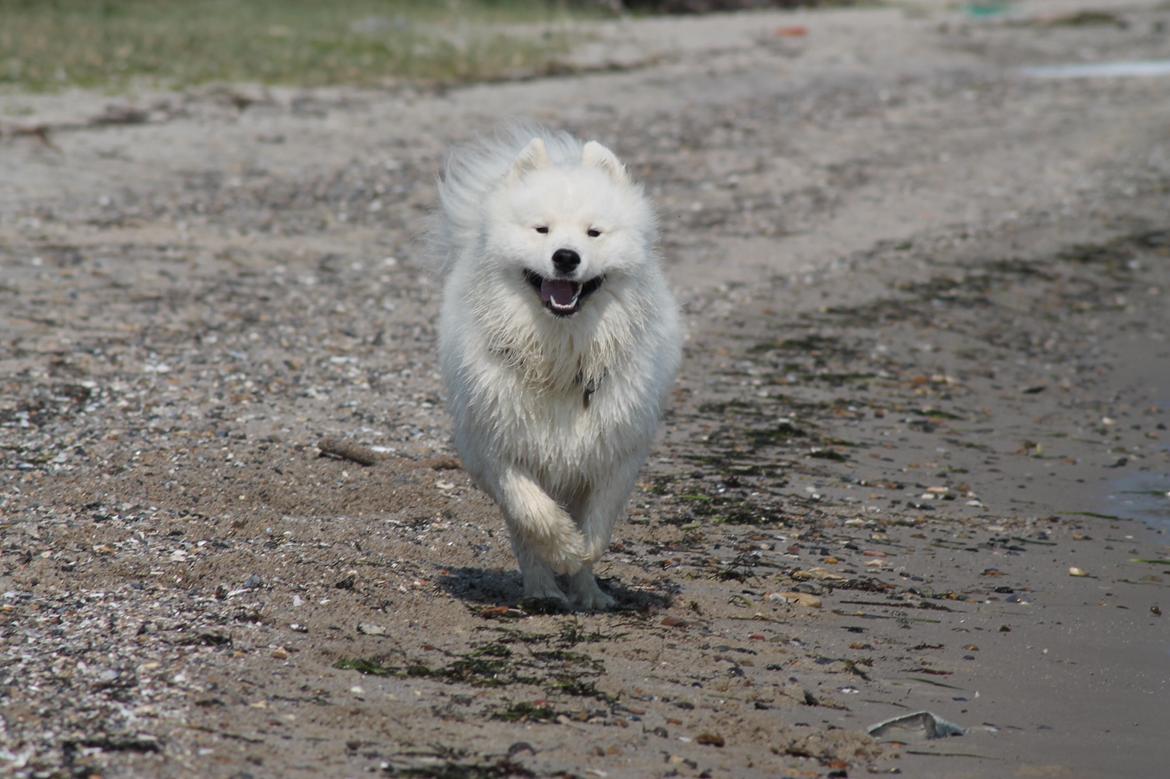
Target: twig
x,y
344,450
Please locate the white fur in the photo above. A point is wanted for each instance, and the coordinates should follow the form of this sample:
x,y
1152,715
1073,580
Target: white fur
x,y
560,467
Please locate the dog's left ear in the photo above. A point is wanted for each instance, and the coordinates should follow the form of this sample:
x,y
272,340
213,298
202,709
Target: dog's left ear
x,y
597,156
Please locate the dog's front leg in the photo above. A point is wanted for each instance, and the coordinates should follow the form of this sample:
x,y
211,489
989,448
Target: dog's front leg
x,y
544,536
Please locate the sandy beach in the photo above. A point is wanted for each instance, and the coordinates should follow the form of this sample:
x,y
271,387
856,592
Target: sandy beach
x,y
917,461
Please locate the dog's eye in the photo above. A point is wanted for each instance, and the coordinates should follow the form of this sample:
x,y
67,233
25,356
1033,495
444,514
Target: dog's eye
x,y
593,232
543,229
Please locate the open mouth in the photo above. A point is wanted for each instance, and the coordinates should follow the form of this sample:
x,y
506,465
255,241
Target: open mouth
x,y
561,296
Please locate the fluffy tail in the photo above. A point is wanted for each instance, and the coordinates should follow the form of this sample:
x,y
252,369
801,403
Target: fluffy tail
x,y
540,525
470,174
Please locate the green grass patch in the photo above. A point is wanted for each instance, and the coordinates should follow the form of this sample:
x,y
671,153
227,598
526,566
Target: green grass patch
x,y
482,667
52,44
511,658
935,413
526,712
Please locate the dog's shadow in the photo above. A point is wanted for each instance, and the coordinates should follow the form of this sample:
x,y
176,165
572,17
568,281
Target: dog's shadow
x,y
497,587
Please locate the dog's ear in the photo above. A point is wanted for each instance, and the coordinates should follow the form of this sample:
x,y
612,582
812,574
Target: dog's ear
x,y
532,157
597,156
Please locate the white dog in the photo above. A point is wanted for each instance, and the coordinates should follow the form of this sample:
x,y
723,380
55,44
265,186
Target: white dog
x,y
559,342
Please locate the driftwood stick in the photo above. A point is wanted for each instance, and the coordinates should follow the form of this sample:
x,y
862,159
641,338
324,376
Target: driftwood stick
x,y
344,450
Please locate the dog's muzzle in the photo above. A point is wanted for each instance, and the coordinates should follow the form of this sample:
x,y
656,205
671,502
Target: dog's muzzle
x,y
561,296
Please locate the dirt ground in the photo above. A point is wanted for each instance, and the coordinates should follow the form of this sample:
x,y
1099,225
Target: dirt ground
x,y
922,417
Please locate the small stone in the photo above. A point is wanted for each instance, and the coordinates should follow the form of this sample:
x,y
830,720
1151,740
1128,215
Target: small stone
x,y
370,629
797,598
1074,571
710,739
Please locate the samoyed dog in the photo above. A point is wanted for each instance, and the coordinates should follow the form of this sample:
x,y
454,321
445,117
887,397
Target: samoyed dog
x,y
559,342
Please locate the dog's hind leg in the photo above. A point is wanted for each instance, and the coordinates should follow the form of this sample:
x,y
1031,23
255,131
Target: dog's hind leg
x,y
603,505
597,514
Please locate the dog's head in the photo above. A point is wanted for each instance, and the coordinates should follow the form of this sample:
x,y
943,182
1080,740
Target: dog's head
x,y
565,230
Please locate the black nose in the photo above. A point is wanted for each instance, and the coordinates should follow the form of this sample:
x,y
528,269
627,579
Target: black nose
x,y
566,260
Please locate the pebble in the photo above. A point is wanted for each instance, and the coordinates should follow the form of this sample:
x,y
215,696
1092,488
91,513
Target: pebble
x,y
710,739
370,629
795,598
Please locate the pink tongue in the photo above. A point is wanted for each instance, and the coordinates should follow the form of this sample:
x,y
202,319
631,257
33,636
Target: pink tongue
x,y
561,293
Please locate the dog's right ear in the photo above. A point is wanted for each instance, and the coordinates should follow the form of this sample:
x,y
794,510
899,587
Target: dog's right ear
x,y
532,157
597,156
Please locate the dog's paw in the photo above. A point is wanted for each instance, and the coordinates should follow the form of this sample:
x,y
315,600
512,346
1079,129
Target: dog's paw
x,y
545,604
567,555
586,594
540,587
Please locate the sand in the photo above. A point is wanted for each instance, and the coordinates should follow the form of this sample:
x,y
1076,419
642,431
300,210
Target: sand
x,y
917,459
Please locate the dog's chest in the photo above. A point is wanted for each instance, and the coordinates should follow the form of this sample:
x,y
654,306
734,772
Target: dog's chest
x,y
573,427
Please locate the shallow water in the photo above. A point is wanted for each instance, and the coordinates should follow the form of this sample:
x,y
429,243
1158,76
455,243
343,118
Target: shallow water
x,y
1122,68
1142,495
